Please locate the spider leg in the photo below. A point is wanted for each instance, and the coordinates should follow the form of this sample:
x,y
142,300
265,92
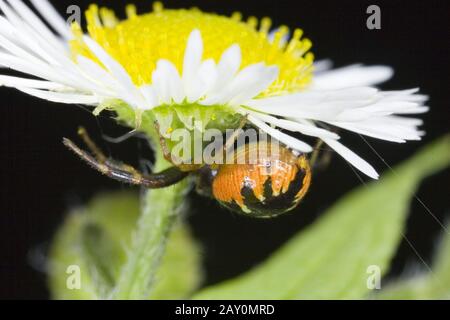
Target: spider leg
x,y
320,158
171,157
316,152
229,143
100,156
232,139
165,148
127,173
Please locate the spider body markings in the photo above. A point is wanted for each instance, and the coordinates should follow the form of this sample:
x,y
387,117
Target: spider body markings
x,y
269,186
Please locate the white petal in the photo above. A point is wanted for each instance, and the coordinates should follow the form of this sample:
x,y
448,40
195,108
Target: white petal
x,y
349,104
351,76
38,70
36,22
27,32
32,33
161,86
409,95
167,83
17,51
370,132
407,121
254,86
352,158
228,66
14,82
27,45
280,136
365,110
56,21
413,110
294,126
103,81
62,97
64,77
191,64
15,30
322,65
176,84
132,96
112,65
249,82
323,106
389,128
208,75
150,97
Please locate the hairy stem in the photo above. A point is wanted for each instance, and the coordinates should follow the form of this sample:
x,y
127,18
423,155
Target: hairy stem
x,y
160,210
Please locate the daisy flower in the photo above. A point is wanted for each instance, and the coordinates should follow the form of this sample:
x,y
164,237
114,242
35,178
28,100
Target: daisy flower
x,y
184,65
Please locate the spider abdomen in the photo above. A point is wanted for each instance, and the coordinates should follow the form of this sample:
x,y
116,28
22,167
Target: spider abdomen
x,y
270,186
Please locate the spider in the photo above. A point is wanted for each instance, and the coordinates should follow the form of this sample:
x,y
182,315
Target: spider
x,y
273,184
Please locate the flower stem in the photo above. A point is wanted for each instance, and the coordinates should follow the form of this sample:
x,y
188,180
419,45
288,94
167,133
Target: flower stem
x,y
160,210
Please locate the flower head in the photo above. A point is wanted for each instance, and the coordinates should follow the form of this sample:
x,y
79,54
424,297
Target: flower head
x,y
188,65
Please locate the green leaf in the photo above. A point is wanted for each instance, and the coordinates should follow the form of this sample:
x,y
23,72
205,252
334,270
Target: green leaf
x,y
96,239
330,259
439,286
64,253
434,284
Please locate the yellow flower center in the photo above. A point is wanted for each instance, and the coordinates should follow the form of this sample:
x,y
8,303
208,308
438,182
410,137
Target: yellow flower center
x,y
138,42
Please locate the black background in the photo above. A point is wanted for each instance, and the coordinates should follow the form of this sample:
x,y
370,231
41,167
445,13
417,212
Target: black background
x,y
40,180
